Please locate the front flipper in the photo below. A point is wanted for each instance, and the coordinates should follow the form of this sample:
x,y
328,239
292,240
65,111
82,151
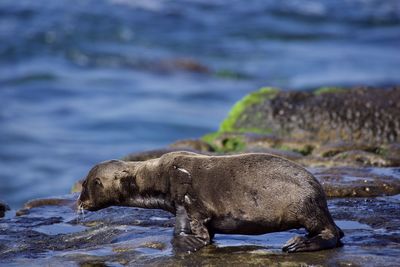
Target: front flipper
x,y
325,240
188,243
182,224
189,234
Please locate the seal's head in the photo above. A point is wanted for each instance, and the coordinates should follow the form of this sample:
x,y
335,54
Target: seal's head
x,y
103,186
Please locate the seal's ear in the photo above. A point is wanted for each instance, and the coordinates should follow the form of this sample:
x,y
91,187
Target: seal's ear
x,y
121,174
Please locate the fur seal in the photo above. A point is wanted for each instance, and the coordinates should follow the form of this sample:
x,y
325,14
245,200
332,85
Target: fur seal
x,y
236,194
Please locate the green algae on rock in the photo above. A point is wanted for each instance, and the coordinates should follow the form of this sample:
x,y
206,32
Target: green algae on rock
x,y
236,113
331,126
329,90
368,115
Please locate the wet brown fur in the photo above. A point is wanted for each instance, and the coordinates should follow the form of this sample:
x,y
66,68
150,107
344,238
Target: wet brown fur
x,y
237,194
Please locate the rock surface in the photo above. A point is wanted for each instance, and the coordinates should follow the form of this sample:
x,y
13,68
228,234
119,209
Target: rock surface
x,y
309,153
151,154
363,115
131,236
342,182
331,126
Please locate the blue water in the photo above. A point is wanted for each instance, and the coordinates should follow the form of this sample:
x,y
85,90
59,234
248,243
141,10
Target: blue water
x,y
85,81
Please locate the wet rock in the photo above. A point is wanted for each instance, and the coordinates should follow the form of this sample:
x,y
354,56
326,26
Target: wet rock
x,y
364,115
3,208
192,145
362,158
126,216
308,153
380,213
60,229
277,152
332,149
369,224
287,144
264,140
391,152
358,182
155,245
355,158
146,155
152,154
319,162
56,235
238,142
69,201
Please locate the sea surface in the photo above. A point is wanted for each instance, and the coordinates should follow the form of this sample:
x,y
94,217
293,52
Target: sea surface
x,y
91,80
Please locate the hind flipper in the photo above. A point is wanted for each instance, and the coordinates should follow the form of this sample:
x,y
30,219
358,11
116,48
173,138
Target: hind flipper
x,y
325,240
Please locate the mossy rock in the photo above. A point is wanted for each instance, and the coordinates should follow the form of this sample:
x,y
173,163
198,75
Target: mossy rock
x,y
192,145
329,90
326,115
229,124
224,143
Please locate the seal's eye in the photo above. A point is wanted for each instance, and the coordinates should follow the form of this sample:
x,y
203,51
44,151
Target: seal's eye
x,y
98,182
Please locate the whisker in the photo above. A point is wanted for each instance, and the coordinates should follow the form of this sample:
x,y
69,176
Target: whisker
x,y
81,210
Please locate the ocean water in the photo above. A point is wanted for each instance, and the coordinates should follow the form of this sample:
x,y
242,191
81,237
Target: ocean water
x,y
90,80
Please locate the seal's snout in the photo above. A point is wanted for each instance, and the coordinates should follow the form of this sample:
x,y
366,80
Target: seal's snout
x,y
83,196
102,185
83,202
81,209
84,205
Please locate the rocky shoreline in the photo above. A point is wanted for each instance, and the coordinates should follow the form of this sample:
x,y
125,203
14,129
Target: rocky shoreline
x,y
348,138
